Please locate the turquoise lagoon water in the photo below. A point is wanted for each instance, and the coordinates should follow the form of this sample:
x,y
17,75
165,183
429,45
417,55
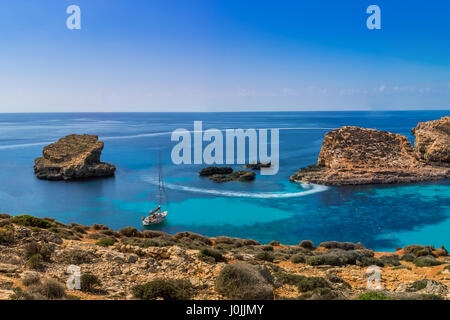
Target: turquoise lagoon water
x,y
271,208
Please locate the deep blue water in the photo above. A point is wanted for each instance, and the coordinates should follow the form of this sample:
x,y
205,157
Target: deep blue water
x,y
381,217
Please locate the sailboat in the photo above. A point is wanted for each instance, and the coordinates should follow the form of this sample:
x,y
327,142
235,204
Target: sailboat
x,y
156,216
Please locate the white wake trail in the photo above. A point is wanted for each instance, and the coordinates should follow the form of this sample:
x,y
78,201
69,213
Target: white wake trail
x,y
311,189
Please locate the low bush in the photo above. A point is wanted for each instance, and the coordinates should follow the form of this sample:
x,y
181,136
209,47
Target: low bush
x,y
275,243
420,284
35,262
298,258
166,289
267,248
30,221
307,244
130,232
419,251
77,256
426,261
105,242
391,260
6,237
372,295
311,283
265,256
89,282
31,278
51,289
408,257
211,255
244,281
33,248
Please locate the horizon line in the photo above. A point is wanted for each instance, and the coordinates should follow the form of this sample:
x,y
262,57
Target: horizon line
x,y
246,111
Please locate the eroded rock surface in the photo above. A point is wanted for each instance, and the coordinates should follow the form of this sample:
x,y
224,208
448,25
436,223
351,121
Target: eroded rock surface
x,y
354,155
73,157
432,143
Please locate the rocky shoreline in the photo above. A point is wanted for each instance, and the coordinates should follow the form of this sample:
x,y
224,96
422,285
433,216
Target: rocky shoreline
x,y
129,264
354,155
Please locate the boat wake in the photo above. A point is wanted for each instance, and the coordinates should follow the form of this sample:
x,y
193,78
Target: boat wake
x,y
309,189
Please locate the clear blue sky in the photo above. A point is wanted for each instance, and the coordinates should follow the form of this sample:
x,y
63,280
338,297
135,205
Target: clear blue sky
x,y
227,55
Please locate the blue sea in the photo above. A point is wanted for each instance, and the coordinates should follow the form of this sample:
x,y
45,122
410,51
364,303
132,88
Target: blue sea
x,y
382,217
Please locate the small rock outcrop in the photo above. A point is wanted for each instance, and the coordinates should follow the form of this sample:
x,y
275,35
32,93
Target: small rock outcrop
x,y
209,171
258,165
73,157
226,174
354,155
432,144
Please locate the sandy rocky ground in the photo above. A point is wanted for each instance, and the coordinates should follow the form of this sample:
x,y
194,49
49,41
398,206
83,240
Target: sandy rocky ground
x,y
214,267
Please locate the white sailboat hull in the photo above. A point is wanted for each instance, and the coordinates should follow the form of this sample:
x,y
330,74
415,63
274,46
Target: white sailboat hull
x,y
154,219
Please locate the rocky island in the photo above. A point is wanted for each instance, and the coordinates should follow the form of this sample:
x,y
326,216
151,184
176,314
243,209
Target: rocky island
x,y
35,255
226,174
73,157
354,155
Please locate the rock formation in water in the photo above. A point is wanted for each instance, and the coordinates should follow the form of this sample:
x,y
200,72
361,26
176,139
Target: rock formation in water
x,y
258,165
225,174
73,157
353,155
432,144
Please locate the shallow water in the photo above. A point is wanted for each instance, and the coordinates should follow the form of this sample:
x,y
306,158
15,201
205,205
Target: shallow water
x,y
270,208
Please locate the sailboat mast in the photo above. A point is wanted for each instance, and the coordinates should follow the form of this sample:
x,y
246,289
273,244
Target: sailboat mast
x,y
160,180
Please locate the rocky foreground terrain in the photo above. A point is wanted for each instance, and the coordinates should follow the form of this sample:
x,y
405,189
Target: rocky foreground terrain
x,y
129,264
73,157
354,155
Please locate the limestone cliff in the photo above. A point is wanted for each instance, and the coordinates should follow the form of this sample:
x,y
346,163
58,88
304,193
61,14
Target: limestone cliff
x,y
353,155
432,142
73,157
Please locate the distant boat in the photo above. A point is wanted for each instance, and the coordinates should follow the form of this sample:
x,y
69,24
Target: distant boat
x,y
157,216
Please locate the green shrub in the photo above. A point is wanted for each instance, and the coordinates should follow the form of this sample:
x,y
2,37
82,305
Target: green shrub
x,y
320,294
418,251
51,289
265,256
267,248
77,256
311,283
373,295
33,248
105,242
131,232
391,260
6,237
244,281
370,261
409,257
206,254
287,278
166,289
35,262
427,261
31,278
420,284
298,258
29,221
89,282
